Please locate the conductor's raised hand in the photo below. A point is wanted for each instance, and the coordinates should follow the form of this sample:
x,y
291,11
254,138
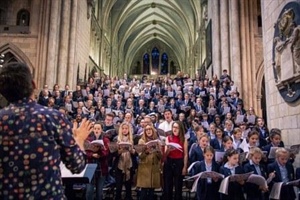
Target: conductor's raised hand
x,y
82,132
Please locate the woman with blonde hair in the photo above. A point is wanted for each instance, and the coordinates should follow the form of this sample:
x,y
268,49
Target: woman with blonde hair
x,y
125,161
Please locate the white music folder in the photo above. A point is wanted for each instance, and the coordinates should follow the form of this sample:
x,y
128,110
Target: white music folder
x,y
88,171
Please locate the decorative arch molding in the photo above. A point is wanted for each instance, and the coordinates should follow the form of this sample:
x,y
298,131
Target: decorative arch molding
x,y
18,53
259,81
260,74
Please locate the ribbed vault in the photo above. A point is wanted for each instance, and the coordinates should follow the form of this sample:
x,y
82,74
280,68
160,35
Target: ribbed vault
x,y
136,23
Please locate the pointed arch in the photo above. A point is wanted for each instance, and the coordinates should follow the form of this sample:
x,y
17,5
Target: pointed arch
x,y
19,55
261,93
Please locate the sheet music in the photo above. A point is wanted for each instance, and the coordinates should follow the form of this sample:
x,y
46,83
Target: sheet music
x,y
87,172
276,190
175,145
192,165
224,186
258,180
251,119
219,156
106,92
272,153
226,110
170,94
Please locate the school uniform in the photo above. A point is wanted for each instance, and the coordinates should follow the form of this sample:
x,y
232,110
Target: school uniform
x,y
235,190
196,153
283,174
252,190
207,189
216,144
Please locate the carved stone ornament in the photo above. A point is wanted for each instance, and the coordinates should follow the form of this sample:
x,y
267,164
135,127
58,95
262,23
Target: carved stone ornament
x,y
286,52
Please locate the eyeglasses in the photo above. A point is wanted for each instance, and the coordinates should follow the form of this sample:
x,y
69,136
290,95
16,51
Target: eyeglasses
x,y
175,126
148,129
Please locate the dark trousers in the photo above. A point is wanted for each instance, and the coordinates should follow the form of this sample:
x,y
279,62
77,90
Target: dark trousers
x,y
173,178
120,180
147,194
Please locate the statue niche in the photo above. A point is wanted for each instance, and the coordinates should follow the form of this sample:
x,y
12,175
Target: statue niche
x,y
286,59
286,52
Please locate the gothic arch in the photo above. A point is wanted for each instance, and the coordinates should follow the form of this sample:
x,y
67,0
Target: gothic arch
x,y
18,53
260,74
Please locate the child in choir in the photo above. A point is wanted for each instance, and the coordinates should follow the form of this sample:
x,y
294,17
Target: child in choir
x,y
237,138
284,172
216,143
253,191
227,143
231,166
252,141
275,139
125,162
98,155
207,189
175,164
148,174
196,151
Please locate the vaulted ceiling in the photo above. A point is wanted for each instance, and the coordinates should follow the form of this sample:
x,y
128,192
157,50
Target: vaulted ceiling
x,y
135,23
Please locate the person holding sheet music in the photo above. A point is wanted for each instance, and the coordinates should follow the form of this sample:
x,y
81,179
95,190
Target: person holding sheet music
x,y
175,164
167,124
237,138
263,131
253,191
250,142
207,189
217,142
275,141
231,166
148,173
125,162
228,130
284,172
97,154
196,151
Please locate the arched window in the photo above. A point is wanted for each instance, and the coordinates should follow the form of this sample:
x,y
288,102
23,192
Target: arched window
x,y
164,64
155,60
23,18
146,64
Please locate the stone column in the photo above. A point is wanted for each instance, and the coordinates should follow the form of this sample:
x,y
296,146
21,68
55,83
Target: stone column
x,y
235,47
224,35
244,73
72,65
42,47
216,44
52,45
64,44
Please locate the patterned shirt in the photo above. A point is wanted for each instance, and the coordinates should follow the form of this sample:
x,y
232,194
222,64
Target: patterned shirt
x,y
33,141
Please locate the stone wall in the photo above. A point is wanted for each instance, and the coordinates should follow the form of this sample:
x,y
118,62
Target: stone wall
x,y
282,115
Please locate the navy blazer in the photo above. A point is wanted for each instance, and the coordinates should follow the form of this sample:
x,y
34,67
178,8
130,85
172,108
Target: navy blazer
x,y
235,190
216,145
252,190
287,191
196,154
205,190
